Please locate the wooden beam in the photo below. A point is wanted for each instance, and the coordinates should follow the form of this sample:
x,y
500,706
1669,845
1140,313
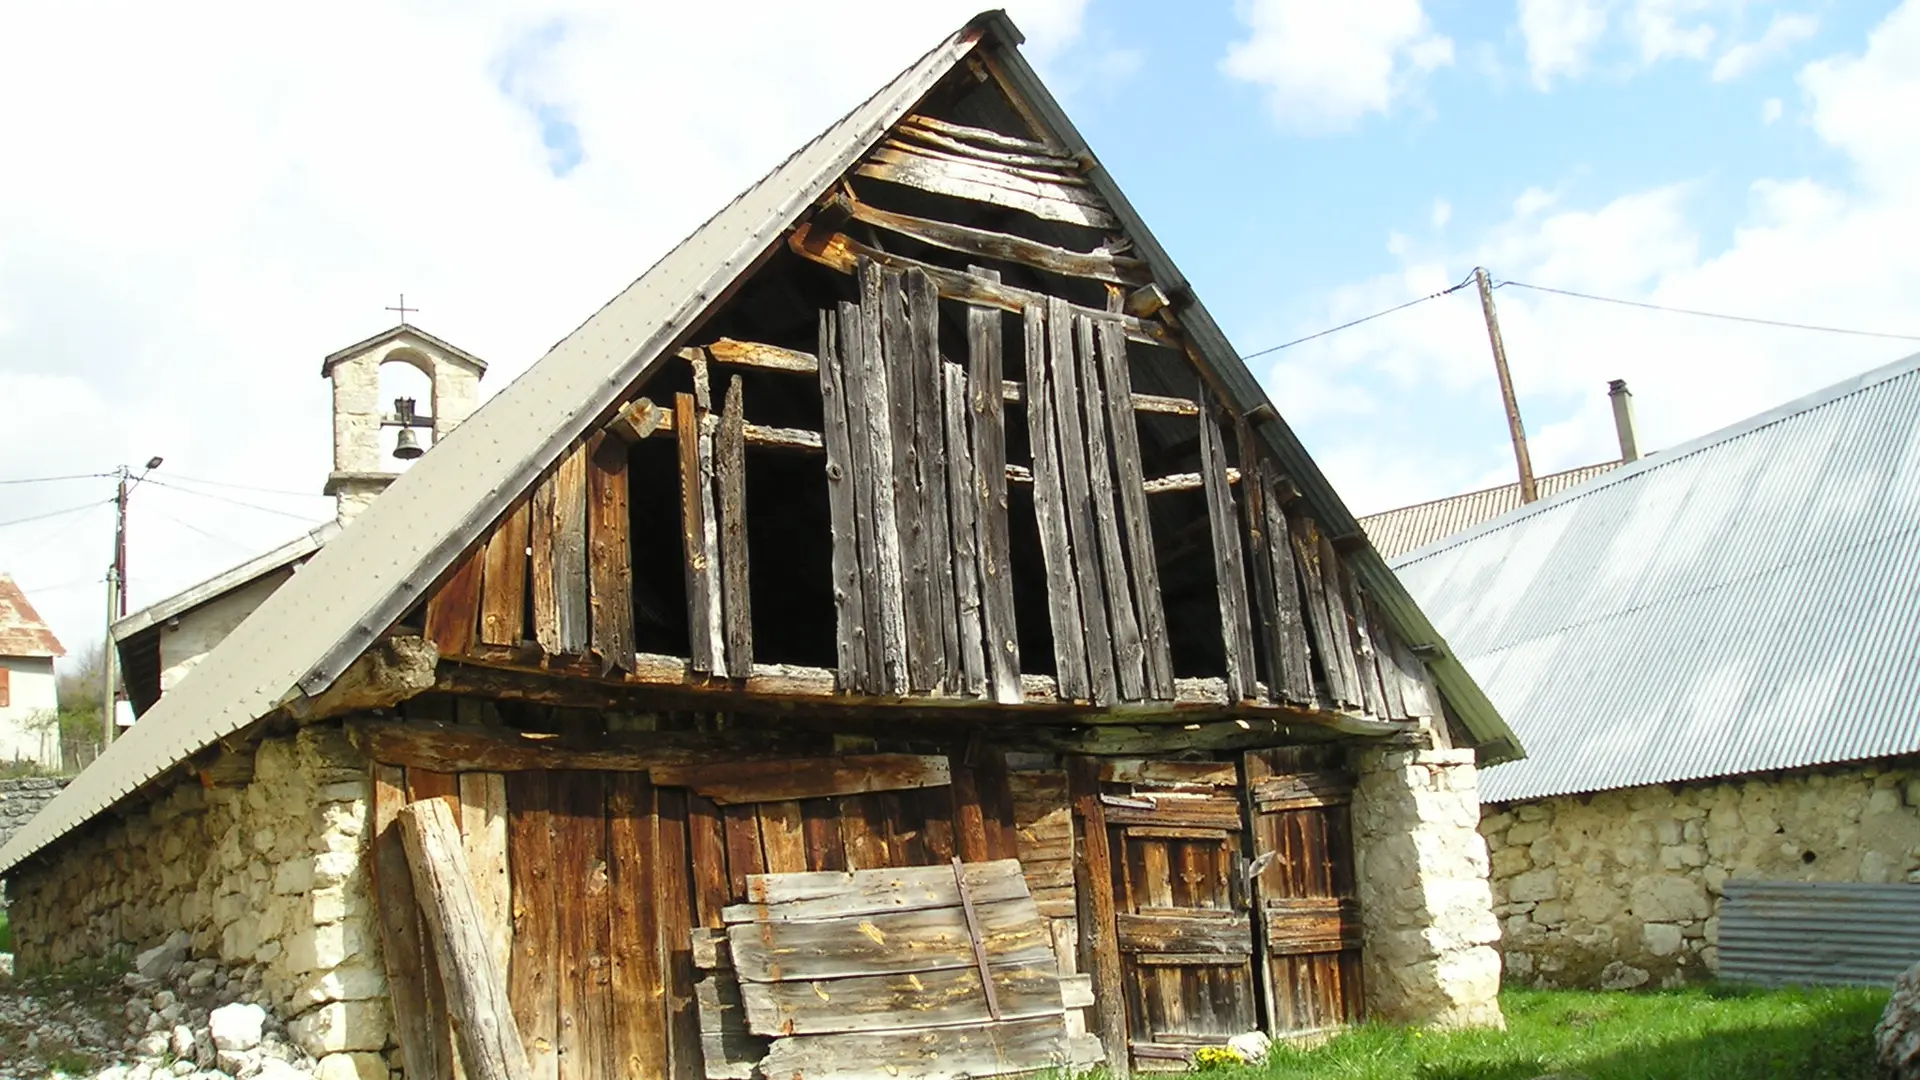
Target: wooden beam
x,y
765,357
979,182
609,552
462,748
637,420
640,1019
1307,556
736,782
489,1040
536,950
730,468
849,607
544,586
1098,265
676,955
1046,174
1294,678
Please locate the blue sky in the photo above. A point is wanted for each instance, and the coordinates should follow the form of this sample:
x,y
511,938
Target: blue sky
x,y
203,203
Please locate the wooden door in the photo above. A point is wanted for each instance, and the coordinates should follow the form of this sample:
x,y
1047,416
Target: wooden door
x,y
1308,915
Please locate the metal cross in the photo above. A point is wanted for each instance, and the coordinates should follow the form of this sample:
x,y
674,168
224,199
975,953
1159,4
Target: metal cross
x,y
403,309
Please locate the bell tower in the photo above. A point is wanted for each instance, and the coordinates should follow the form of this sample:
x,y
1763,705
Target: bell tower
x,y
360,415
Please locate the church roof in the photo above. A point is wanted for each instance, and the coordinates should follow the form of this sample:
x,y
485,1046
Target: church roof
x,y
378,568
22,632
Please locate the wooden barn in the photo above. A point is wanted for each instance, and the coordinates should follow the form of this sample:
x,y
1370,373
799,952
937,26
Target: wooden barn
x,y
894,637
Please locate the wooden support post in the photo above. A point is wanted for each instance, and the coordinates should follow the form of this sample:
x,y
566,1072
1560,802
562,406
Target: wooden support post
x,y
401,941
490,1045
1093,882
731,466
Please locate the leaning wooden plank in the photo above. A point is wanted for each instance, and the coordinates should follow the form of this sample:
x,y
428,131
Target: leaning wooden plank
x,y
996,187
1339,621
913,1000
609,552
483,831
708,655
931,939
1326,642
986,137
1295,679
1222,935
1259,561
1049,504
811,778
1223,521
988,409
401,942
1365,662
853,342
730,467
639,1014
942,1053
1063,374
586,919
489,1040
756,355
1047,176
912,130
536,951
453,611
851,893
885,584
1099,950
962,511
1144,564
849,608
503,585
930,470
984,243
1379,640
1129,653
570,550
912,521
675,921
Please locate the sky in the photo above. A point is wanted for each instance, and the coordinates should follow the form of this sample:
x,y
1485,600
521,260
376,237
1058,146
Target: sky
x,y
197,204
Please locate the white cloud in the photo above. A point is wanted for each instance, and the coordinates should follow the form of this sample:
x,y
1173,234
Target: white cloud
x,y
1560,36
1781,34
1442,213
1325,66
1771,110
1802,250
201,203
1664,28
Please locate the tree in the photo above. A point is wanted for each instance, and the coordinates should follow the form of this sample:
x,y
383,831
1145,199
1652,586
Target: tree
x,y
77,689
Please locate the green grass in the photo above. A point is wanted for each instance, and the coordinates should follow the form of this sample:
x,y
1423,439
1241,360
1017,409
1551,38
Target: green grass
x,y
6,933
1711,1033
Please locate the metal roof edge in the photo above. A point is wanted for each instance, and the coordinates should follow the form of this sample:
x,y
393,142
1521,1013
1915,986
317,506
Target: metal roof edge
x,y
1469,702
224,582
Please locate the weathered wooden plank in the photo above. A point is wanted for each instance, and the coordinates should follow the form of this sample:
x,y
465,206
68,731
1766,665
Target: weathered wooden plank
x,y
1326,643
863,832
1259,560
962,511
1223,934
824,848
912,1000
1155,773
609,551
1339,626
969,817
570,575
1064,395
640,1045
489,1040
536,951
730,468
585,918
1229,568
987,406
983,183
483,832
1295,791
884,568
1093,880
503,584
741,826
637,420
897,342
544,586
996,800
453,611
1129,654
1295,678
849,604
810,778
786,897
939,1053
1208,813
1042,170
783,836
1099,265
929,397
930,939
459,748
707,842
1157,656
730,1049
1296,925
986,137
1365,662
708,655
1056,162
756,355
1049,501
676,913
402,937
1380,642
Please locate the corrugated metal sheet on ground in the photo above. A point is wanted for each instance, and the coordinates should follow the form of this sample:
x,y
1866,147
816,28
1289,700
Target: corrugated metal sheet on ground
x,y
1778,933
1393,533
1746,602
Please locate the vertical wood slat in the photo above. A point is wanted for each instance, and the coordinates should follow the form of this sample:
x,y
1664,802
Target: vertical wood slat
x,y
1049,504
503,584
483,832
535,959
1229,567
1306,550
586,922
987,406
1158,655
969,816
1093,882
849,606
696,499
1128,652
853,363
929,397
1063,377
543,585
969,614
676,948
610,551
821,825
1259,558
1364,660
996,802
570,575
1295,681
911,518
1333,577
745,855
402,940
730,465
640,1044
783,836
707,844
453,611
1393,699
1254,767
884,569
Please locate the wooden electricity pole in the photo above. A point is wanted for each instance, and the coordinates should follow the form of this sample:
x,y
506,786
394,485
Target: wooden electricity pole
x,y
1518,431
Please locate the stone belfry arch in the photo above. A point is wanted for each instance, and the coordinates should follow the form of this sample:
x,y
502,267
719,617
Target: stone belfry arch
x,y
360,472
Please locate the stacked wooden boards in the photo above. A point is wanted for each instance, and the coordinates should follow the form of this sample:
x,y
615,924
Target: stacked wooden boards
x,y
919,973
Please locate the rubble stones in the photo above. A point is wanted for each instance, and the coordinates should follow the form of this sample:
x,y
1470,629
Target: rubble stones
x,y
1896,1038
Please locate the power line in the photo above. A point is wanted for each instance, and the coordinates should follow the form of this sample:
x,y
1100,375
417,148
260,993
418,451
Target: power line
x,y
55,513
1369,318
236,502
246,487
48,540
1711,314
190,525
52,479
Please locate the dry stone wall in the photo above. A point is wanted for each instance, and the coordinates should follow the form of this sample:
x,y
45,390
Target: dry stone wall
x,y
264,877
22,798
1622,888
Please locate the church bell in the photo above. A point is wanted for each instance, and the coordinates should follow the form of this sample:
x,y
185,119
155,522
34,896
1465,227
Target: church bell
x,y
407,446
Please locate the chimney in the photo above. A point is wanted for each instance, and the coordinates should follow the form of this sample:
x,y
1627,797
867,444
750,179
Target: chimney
x,y
1623,419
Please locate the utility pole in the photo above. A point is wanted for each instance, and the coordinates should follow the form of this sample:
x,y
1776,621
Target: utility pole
x,y
117,600
1514,427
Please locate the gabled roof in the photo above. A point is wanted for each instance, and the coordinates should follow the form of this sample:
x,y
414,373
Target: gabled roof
x,y
359,585
1745,602
401,333
225,582
22,632
1394,533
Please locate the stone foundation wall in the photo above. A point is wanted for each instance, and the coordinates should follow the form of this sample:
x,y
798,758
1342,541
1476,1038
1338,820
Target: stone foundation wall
x,y
1622,888
22,798
1425,905
265,877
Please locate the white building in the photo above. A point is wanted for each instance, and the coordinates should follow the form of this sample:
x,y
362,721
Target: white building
x,y
27,698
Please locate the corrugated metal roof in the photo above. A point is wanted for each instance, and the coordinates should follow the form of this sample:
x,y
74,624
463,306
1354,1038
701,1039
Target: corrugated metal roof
x,y
1808,933
22,631
1393,533
304,635
225,582
1748,601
